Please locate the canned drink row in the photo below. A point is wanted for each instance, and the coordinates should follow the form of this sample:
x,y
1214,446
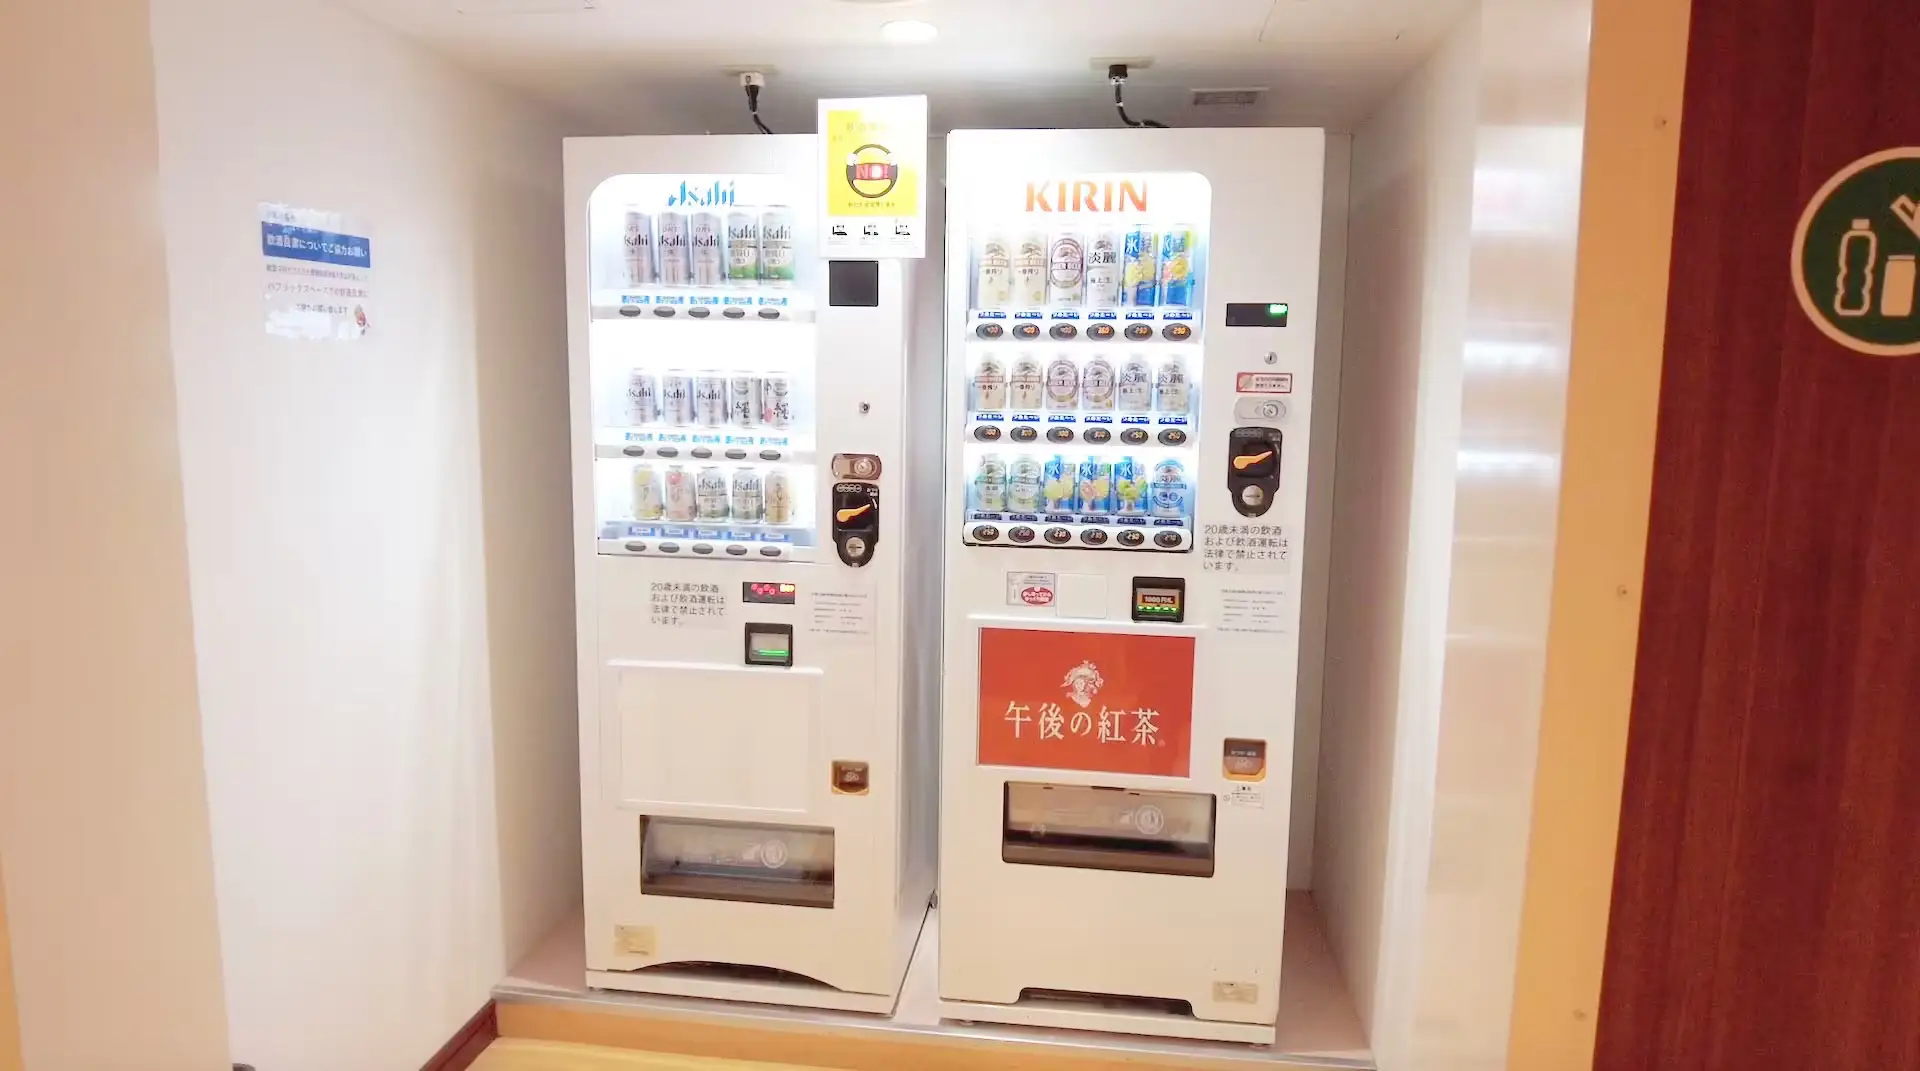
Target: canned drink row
x,y
1094,384
744,247
1130,267
680,398
745,496
1093,486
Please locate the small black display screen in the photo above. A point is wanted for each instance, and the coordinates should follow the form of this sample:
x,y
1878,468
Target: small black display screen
x,y
770,594
1257,314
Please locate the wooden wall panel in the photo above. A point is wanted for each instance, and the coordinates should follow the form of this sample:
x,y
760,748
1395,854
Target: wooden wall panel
x,y
1766,904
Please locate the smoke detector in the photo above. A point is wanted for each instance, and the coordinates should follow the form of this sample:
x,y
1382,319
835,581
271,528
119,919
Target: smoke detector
x,y
1228,98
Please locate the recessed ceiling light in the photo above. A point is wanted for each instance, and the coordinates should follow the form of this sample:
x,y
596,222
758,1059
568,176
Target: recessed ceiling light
x,y
909,32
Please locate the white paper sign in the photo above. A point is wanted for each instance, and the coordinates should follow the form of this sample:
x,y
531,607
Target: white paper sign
x,y
873,156
317,274
1031,589
683,604
1247,796
1252,610
843,613
1245,548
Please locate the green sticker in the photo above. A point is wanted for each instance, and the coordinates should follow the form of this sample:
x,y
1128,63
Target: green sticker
x,y
1856,261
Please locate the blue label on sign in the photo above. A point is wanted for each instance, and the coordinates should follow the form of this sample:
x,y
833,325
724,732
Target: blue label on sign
x,y
775,537
990,418
1102,316
738,301
663,300
674,533
1136,420
707,533
1029,517
636,299
1130,520
1143,315
1059,518
1169,524
993,316
287,242
1026,418
988,517
1066,316
1176,316
775,302
1097,419
1060,419
1173,420
1027,316
699,300
1094,520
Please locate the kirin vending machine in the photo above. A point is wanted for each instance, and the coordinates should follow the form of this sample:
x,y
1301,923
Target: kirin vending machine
x,y
1130,362
756,825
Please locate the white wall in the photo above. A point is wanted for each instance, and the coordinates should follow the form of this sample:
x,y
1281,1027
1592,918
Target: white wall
x,y
1465,216
1408,254
103,814
377,531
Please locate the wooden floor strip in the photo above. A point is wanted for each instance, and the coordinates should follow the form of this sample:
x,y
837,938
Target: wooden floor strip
x,y
516,1054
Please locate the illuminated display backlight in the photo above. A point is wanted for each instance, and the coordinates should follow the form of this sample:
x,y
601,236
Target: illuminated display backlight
x,y
755,591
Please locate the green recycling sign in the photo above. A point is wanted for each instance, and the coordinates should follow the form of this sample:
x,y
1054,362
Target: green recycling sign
x,y
1856,255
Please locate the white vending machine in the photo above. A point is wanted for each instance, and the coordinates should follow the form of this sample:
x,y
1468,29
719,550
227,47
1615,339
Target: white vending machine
x,y
1129,365
756,767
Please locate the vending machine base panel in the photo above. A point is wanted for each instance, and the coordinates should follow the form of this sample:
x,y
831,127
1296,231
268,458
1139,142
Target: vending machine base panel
x,y
785,994
1071,1016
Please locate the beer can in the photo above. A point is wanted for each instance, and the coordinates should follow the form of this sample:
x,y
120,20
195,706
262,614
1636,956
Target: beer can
x,y
1023,485
993,274
749,497
743,401
1176,267
989,384
1030,271
776,246
676,398
673,245
1172,391
743,247
1168,498
1131,483
1026,384
637,248
776,400
1141,280
1096,486
779,497
709,400
1097,384
648,503
1104,272
1133,391
643,398
711,495
680,497
709,261
1067,269
990,485
1063,384
1057,486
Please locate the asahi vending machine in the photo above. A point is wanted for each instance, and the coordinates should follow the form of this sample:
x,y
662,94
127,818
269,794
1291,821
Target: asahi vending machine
x,y
749,723
1129,364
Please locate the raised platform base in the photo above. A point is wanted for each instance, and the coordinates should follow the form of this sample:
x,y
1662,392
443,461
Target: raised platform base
x,y
1066,1017
785,994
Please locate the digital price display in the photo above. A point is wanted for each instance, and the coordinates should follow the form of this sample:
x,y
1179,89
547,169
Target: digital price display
x,y
769,594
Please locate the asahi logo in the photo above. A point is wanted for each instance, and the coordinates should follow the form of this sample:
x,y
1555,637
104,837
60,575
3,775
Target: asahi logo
x,y
777,232
713,195
1080,195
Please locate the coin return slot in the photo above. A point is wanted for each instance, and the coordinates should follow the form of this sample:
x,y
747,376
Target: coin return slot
x,y
754,864
1093,828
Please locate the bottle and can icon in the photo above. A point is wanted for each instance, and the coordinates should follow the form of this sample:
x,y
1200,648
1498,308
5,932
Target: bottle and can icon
x,y
1859,255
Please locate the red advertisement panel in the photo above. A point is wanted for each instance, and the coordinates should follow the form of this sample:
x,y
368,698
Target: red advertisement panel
x,y
1098,701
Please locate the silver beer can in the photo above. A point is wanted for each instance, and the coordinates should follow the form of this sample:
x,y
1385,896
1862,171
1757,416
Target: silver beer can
x,y
709,259
637,248
673,247
743,401
643,398
776,400
648,502
743,247
1097,383
1023,485
711,494
776,246
676,398
709,400
779,498
749,497
679,494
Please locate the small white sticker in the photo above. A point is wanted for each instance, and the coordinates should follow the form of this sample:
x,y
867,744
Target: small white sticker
x,y
1031,589
634,941
1253,610
1247,796
1263,383
844,613
1245,548
1236,992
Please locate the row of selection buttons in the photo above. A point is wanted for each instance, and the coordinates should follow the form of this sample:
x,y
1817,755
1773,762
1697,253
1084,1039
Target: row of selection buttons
x,y
1098,332
1026,433
702,453
1169,539
699,312
736,550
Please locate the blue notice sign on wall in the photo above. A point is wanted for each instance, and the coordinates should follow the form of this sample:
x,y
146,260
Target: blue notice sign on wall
x,y
318,274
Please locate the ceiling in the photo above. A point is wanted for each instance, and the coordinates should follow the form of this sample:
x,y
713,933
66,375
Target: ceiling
x,y
653,66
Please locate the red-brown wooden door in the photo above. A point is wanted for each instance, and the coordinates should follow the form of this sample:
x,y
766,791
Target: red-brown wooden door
x,y
1766,907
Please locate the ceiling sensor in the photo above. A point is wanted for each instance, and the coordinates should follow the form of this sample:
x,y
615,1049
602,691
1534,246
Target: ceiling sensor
x,y
523,7
1228,98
